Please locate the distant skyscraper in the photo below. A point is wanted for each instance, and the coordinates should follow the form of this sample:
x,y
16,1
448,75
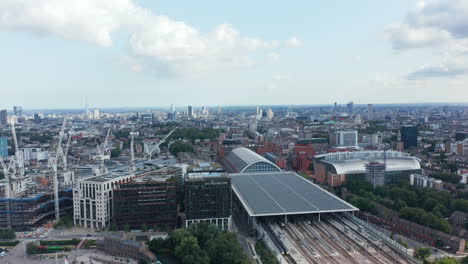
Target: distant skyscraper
x,y
3,147
18,110
86,107
96,114
370,112
409,136
219,110
269,114
3,117
190,111
350,107
335,108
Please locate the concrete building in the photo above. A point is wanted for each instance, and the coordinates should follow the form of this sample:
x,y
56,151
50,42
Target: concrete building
x,y
120,246
425,182
345,139
208,198
93,199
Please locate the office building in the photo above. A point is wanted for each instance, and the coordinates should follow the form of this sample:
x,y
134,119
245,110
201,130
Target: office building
x,y
208,199
421,181
190,111
375,173
350,108
344,139
409,136
370,112
3,117
150,199
3,147
93,199
18,110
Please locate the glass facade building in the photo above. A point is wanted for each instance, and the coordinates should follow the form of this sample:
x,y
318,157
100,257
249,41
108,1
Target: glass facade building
x,y
3,147
209,199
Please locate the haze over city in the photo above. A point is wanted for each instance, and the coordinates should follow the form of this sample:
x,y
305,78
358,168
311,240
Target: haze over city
x,y
233,132
152,53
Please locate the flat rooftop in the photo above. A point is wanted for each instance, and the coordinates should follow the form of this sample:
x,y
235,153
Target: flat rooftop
x,y
284,193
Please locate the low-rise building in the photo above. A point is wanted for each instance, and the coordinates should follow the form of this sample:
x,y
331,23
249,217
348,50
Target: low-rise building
x,y
425,182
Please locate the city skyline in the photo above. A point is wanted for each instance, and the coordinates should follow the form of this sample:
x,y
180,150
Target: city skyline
x,y
139,53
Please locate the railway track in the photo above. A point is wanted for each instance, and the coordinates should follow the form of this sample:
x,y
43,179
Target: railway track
x,y
323,252
387,258
300,245
336,245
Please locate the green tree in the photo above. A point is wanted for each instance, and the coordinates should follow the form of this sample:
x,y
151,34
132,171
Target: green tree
x,y
116,152
446,260
189,252
225,249
422,253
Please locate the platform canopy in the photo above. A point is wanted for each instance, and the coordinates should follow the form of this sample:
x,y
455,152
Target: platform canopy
x,y
284,193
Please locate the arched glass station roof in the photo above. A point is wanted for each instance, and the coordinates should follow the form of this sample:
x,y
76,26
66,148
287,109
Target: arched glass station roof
x,y
243,160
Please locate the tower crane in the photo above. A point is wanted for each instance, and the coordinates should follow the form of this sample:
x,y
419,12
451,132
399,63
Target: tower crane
x,y
53,163
150,149
102,168
132,135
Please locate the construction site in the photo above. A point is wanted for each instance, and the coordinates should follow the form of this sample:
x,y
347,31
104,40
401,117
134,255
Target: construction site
x,y
32,198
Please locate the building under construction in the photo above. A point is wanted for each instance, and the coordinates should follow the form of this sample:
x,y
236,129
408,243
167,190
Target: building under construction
x,y
149,199
33,207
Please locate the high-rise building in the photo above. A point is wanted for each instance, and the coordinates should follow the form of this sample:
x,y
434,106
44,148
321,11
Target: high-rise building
x,y
270,114
3,117
409,136
370,112
96,114
208,199
3,147
93,199
347,138
18,110
190,111
375,173
350,107
150,199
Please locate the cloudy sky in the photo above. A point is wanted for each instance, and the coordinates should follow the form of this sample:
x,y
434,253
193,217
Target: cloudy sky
x,y
143,53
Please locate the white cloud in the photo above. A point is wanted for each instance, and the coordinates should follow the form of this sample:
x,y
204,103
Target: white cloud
x,y
435,24
449,68
293,42
172,43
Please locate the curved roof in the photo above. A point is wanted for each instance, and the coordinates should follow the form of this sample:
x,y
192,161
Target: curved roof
x,y
240,159
355,166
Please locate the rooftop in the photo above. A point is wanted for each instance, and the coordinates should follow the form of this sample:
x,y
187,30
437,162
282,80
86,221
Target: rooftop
x,y
284,193
239,159
356,166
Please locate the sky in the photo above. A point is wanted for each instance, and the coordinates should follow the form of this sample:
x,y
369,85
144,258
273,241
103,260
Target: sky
x,y
147,53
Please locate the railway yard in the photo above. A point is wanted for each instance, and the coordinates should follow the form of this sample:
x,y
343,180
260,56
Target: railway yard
x,y
332,239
